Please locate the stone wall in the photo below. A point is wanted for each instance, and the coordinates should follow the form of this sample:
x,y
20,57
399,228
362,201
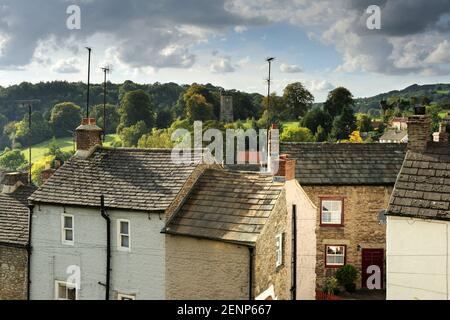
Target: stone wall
x,y
362,205
266,272
200,269
13,273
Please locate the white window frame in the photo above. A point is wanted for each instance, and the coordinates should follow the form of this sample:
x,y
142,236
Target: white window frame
x,y
328,264
67,285
119,235
331,212
126,296
279,250
63,229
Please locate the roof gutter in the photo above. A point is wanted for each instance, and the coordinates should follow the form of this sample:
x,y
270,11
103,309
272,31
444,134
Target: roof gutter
x,y
29,248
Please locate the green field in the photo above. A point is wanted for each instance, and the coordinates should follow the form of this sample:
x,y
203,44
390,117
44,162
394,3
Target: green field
x,y
38,151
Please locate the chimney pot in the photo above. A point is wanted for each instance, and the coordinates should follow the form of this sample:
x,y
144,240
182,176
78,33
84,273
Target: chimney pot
x,y
420,110
286,168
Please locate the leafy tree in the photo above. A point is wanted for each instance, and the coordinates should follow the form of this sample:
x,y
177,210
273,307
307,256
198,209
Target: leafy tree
x,y
433,111
354,137
136,106
296,134
12,160
163,118
198,109
112,117
277,110
38,167
315,118
364,123
40,129
65,118
337,100
158,138
131,135
344,124
321,135
55,151
298,100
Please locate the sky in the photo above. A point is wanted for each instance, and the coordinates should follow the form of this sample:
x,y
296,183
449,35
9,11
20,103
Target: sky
x,y
321,43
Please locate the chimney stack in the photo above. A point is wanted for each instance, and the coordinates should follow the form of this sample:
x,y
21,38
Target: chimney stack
x,y
286,168
88,135
419,130
14,180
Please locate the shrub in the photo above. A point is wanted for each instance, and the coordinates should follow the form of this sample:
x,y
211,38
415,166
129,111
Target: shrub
x,y
346,277
297,134
331,286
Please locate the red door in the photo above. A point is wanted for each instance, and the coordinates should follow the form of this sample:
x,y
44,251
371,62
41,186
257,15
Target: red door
x,y
372,266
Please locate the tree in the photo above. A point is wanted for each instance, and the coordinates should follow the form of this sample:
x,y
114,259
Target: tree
x,y
65,118
198,109
163,118
337,100
158,138
355,137
344,124
298,100
55,151
112,117
136,106
131,135
12,160
40,129
315,118
364,123
297,134
211,98
321,135
277,110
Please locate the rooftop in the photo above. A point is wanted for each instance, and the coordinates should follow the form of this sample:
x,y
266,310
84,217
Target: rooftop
x,y
14,216
394,135
227,206
423,186
346,163
135,179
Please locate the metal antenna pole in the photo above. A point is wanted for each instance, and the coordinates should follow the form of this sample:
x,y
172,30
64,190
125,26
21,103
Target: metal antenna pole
x,y
105,71
88,81
269,60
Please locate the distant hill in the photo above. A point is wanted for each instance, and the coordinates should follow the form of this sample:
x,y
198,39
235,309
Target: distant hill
x,y
437,93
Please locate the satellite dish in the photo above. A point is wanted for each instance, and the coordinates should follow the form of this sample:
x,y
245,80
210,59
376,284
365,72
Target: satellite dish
x,y
382,217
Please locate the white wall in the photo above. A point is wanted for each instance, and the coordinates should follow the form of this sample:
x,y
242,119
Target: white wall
x,y
306,239
140,271
418,264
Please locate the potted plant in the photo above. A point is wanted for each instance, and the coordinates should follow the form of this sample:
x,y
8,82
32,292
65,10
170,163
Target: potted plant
x,y
331,286
346,277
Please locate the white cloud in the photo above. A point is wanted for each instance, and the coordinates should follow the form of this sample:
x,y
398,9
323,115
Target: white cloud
x,y
240,29
441,54
66,66
319,85
290,68
222,65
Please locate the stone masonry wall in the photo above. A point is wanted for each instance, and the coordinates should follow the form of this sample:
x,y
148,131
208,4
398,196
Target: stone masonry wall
x,y
13,273
362,205
266,272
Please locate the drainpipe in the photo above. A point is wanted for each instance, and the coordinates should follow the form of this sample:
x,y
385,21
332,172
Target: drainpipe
x,y
250,273
294,254
108,244
30,216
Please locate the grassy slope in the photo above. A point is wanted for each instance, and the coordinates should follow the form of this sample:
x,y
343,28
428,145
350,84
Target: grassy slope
x,y
38,151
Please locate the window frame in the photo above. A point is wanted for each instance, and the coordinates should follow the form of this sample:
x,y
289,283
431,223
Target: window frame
x,y
125,295
332,198
68,285
63,229
327,265
119,235
279,252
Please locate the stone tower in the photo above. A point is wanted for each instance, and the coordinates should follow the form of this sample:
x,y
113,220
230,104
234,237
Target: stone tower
x,y
226,108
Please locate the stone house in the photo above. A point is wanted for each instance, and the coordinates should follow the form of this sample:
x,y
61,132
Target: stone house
x,y
86,248
418,218
231,239
348,184
14,215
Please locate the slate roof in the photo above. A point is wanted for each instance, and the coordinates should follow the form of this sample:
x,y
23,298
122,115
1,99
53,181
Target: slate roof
x,y
14,216
136,179
423,186
346,163
227,206
394,135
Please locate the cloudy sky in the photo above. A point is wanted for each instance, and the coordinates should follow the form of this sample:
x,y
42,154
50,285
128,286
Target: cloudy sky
x,y
323,43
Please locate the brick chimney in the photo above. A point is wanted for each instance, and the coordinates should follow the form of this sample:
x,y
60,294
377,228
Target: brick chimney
x,y
14,180
419,130
88,135
286,168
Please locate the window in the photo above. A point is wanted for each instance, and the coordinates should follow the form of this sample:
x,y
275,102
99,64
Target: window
x,y
122,296
332,213
335,256
67,230
279,249
123,235
65,291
